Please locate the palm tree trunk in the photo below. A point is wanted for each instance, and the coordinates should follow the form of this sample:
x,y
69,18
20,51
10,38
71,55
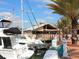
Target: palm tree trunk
x,y
74,30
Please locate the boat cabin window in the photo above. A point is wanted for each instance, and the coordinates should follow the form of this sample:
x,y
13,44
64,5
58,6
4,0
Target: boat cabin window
x,y
7,42
0,41
22,43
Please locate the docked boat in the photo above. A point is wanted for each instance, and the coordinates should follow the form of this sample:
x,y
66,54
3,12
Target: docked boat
x,y
57,51
52,53
12,47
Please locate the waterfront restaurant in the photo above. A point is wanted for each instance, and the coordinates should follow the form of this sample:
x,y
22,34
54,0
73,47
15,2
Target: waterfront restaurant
x,y
43,31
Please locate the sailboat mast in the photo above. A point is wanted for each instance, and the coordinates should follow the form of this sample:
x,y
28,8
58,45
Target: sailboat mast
x,y
22,15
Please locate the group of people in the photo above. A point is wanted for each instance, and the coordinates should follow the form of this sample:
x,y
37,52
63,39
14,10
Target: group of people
x,y
62,46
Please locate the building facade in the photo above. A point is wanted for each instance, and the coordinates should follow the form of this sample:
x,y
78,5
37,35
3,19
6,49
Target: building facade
x,y
43,32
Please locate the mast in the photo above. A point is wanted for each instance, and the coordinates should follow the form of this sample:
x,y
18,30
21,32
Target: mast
x,y
22,15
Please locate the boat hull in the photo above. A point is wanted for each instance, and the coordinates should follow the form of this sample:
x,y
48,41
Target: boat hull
x,y
51,54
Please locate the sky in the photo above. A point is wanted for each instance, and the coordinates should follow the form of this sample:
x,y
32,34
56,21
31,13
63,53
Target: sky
x,y
11,9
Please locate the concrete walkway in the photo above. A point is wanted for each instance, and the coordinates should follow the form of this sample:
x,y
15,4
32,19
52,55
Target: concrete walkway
x,y
73,51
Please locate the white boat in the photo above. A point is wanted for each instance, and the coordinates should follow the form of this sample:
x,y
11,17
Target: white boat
x,y
37,41
52,53
10,48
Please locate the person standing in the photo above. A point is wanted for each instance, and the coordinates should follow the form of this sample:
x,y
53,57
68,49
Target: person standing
x,y
74,39
64,43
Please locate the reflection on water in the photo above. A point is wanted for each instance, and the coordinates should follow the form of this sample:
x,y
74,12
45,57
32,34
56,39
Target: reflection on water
x,y
38,55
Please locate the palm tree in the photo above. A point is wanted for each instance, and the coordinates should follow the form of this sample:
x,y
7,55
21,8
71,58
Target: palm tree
x,y
65,25
67,8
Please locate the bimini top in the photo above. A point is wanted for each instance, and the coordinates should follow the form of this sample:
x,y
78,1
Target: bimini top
x,y
12,30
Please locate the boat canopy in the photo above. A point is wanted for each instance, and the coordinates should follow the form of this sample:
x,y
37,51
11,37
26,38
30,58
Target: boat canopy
x,y
12,31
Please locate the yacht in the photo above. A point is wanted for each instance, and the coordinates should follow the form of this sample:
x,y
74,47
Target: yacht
x,y
13,47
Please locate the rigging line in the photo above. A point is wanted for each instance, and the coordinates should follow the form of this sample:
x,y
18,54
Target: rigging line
x,y
32,12
30,20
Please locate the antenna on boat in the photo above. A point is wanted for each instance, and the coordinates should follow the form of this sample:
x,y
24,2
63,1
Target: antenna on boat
x,y
22,15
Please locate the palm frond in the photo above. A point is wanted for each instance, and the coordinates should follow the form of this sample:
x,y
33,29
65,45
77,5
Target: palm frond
x,y
65,7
